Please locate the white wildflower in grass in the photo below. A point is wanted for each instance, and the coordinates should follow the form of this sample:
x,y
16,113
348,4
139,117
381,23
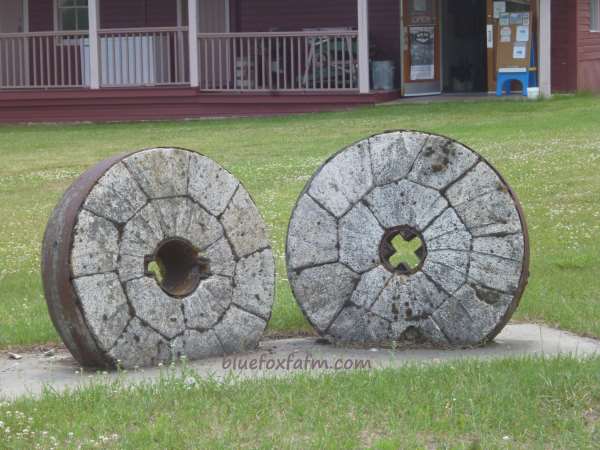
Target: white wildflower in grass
x,y
190,382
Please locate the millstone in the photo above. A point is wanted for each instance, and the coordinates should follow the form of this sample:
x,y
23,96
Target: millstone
x,y
154,256
406,236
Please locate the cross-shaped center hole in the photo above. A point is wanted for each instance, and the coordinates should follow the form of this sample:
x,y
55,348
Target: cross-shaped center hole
x,y
406,252
402,250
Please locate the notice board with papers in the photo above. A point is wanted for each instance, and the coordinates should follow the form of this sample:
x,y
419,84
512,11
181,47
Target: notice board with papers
x,y
513,36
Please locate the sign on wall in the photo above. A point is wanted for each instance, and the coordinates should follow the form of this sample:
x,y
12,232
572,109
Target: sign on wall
x,y
422,53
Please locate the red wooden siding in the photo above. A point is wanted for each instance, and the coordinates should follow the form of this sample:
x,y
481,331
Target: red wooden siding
x,y
138,13
113,14
588,50
290,15
166,103
564,43
41,17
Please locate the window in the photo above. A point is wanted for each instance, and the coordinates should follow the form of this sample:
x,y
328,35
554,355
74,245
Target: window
x,y
594,15
72,15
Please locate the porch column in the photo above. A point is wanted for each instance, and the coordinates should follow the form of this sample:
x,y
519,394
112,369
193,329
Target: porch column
x,y
545,47
93,19
193,42
364,84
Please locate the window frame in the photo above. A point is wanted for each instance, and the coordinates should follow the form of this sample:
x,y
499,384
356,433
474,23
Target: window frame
x,y
58,26
594,16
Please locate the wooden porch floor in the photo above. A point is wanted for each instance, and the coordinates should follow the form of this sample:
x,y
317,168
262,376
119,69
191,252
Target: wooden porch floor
x,y
152,103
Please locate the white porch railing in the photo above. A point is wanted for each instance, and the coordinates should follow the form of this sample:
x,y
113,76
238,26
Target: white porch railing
x,y
290,61
294,61
143,56
43,59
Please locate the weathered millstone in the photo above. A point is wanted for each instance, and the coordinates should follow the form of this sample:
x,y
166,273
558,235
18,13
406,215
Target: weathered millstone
x,y
155,256
346,263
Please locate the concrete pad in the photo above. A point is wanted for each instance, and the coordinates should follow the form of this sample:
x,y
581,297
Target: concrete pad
x,y
284,357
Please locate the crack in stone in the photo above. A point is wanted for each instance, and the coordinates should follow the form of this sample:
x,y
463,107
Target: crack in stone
x,y
460,177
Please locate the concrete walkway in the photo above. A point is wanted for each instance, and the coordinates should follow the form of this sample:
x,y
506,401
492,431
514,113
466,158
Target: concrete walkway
x,y
454,98
30,374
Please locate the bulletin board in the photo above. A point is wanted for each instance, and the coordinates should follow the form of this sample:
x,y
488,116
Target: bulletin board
x,y
513,35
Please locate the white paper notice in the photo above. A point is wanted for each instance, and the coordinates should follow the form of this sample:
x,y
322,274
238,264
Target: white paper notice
x,y
490,36
422,72
504,19
506,34
522,33
519,51
499,8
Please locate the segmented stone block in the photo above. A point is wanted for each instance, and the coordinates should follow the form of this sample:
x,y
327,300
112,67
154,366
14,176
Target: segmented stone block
x,y
477,182
344,180
203,229
169,258
493,213
239,330
405,203
313,238
456,240
509,247
441,162
457,260
358,325
205,307
195,345
360,235
142,234
95,245
222,261
251,292
465,320
206,178
393,155
155,307
447,223
117,196
323,291
370,287
394,301
449,279
140,346
497,273
104,306
473,258
161,172
244,226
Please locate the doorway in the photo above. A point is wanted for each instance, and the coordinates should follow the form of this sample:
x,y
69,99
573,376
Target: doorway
x,y
463,39
421,58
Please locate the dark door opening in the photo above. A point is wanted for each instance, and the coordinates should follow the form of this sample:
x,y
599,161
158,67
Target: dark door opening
x,y
464,45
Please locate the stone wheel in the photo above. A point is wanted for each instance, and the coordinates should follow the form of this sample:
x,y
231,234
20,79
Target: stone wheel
x,y
406,236
154,256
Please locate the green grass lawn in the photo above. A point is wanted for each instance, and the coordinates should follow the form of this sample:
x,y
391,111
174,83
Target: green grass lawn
x,y
549,151
511,404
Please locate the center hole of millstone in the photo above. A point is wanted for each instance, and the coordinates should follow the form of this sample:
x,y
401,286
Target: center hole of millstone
x,y
177,267
402,250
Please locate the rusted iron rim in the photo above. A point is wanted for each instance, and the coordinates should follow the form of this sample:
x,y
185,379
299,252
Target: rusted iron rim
x,y
61,298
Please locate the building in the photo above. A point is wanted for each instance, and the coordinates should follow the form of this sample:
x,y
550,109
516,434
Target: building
x,y
152,59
